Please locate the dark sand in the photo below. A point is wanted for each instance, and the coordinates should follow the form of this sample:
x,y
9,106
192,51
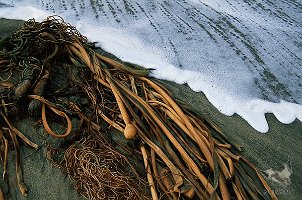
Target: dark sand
x,y
270,150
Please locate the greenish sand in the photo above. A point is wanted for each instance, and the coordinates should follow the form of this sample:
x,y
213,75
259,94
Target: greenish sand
x,y
270,150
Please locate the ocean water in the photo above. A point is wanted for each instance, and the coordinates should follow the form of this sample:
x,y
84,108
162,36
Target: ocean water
x,y
245,56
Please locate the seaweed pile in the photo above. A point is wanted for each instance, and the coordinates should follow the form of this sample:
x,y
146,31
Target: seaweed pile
x,y
185,156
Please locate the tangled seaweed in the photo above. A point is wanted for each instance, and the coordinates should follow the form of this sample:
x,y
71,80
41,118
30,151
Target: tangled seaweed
x,y
99,171
185,155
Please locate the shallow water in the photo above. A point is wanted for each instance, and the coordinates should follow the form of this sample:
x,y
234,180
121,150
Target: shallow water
x,y
245,56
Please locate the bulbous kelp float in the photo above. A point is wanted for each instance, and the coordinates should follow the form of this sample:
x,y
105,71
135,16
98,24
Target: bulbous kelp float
x,y
185,156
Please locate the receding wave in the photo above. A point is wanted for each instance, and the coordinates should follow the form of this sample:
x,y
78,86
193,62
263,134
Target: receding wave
x,y
246,56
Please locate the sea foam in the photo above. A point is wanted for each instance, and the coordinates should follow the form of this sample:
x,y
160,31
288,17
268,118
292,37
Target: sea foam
x,y
247,76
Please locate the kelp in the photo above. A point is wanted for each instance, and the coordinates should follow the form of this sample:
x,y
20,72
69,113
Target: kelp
x,y
185,155
100,172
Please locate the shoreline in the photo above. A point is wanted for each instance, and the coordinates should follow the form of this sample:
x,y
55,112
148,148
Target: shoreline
x,y
268,150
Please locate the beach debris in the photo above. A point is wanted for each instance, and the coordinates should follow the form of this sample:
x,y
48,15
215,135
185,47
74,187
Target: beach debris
x,y
184,155
101,172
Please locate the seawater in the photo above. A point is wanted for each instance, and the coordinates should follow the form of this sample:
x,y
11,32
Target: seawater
x,y
245,56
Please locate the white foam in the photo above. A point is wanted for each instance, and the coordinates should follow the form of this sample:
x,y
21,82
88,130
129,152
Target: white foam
x,y
215,70
23,13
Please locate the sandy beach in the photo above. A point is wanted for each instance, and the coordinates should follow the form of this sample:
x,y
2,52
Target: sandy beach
x,y
277,153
